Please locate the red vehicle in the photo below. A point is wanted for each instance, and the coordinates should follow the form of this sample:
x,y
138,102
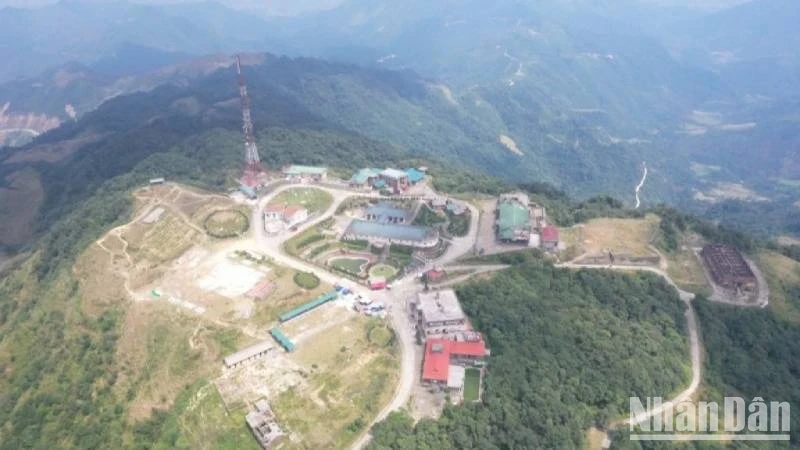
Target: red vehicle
x,y
376,284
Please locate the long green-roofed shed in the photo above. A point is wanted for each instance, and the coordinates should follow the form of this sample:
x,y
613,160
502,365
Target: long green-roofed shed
x,y
296,170
302,309
282,339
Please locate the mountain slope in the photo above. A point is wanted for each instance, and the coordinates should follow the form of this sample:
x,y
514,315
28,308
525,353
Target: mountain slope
x,y
400,110
752,46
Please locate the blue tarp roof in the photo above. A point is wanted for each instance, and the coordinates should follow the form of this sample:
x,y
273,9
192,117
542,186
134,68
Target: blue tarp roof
x,y
414,175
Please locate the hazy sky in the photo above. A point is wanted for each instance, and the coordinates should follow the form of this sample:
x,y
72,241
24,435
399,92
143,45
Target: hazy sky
x,y
276,6
294,6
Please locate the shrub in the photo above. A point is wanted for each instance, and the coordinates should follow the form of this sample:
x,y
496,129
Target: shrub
x,y
306,280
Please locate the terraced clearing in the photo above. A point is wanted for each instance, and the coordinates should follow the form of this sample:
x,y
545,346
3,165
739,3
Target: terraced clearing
x,y
346,365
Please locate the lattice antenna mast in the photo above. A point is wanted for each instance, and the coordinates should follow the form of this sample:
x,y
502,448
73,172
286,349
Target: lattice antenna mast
x,y
253,165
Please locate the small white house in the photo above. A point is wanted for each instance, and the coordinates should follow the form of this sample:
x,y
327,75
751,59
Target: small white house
x,y
290,215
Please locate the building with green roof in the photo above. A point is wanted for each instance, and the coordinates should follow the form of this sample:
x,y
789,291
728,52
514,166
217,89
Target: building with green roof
x,y
307,172
513,222
365,177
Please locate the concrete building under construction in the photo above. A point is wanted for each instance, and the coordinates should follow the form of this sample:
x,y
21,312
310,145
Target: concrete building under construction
x,y
438,314
728,268
264,426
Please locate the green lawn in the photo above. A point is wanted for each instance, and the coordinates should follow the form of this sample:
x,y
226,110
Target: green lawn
x,y
472,385
314,200
383,270
352,265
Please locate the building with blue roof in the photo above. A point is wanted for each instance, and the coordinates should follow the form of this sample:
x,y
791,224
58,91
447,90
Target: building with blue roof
x,y
386,212
390,233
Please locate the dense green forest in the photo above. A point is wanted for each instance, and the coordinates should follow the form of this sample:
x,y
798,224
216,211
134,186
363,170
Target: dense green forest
x,y
749,353
568,349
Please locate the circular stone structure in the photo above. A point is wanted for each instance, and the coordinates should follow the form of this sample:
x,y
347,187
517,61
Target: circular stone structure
x,y
382,270
226,223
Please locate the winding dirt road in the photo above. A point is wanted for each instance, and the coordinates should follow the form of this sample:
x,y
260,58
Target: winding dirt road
x,y
694,341
640,186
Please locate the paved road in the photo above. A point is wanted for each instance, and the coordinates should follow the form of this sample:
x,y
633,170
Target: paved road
x,y
394,299
460,246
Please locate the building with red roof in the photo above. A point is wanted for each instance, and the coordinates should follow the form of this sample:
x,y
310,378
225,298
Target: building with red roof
x,y
291,215
442,354
550,238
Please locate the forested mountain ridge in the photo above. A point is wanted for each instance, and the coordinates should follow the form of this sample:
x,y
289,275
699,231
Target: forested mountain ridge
x,y
711,111
580,93
376,114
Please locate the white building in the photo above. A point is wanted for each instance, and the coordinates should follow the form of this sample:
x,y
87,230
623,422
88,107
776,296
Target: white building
x,y
289,215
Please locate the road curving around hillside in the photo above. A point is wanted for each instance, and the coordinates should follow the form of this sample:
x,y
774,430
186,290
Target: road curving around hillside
x,y
405,288
694,342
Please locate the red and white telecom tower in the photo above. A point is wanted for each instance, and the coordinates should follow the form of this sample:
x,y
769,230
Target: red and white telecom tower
x,y
253,171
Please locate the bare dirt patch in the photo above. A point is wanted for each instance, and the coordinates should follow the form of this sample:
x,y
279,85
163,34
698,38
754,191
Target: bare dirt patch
x,y
729,191
626,238
510,144
596,439
789,240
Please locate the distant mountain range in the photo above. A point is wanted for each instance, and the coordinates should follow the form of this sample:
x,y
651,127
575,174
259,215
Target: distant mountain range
x,y
576,93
